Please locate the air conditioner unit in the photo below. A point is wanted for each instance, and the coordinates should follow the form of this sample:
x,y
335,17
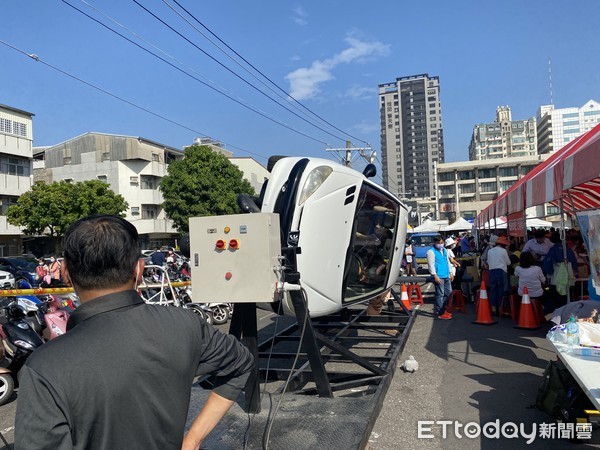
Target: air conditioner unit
x,y
134,180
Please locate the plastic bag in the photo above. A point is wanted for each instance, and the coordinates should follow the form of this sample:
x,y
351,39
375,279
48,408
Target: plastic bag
x,y
562,279
558,334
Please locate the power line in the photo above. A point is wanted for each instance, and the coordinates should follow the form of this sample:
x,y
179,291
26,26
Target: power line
x,y
195,78
234,73
130,103
253,67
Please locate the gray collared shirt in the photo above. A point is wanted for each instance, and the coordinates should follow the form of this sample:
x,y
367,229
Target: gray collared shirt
x,y
121,377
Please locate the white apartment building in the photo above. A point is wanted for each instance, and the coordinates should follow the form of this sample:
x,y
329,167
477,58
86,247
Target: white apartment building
x,y
16,138
468,187
132,166
504,137
557,127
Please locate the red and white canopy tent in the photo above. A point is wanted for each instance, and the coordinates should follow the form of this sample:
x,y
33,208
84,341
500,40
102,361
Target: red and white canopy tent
x,y
569,178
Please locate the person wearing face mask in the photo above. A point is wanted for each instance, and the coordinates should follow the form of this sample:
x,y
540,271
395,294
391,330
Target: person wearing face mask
x,y
438,261
54,270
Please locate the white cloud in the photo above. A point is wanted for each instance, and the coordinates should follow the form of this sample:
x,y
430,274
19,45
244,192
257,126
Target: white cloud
x,y
295,58
356,92
305,81
300,16
366,127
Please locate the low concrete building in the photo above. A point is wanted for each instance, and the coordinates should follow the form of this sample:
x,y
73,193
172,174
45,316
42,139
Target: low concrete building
x,y
132,166
468,187
16,141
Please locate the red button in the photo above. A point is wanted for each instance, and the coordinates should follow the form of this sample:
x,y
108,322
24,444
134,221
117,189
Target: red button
x,y
234,244
228,276
220,244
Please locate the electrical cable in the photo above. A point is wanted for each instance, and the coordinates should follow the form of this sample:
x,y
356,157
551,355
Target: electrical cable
x,y
130,103
193,77
236,74
251,417
267,436
287,94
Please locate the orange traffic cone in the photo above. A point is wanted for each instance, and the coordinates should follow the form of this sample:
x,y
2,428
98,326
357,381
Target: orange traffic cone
x,y
527,317
404,298
484,311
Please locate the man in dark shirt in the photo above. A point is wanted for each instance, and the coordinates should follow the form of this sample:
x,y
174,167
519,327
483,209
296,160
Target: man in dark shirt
x,y
121,376
158,258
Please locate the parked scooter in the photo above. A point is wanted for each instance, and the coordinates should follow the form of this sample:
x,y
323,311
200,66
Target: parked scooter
x,y
55,318
19,340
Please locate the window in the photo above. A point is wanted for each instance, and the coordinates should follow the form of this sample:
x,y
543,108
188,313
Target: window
x,y
68,180
133,180
148,182
102,178
446,190
105,156
155,157
135,210
487,173
20,128
466,175
467,188
5,126
551,210
508,171
488,186
15,166
5,202
149,211
504,185
526,169
67,160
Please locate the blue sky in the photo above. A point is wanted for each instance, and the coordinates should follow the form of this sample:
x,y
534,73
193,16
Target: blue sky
x,y
330,55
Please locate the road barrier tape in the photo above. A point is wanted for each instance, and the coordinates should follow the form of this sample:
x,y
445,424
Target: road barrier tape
x,y
69,290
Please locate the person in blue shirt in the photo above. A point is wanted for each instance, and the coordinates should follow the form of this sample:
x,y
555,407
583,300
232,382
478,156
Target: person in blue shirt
x,y
438,262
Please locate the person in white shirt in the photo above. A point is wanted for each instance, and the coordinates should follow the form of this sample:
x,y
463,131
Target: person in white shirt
x,y
539,246
530,276
450,243
498,262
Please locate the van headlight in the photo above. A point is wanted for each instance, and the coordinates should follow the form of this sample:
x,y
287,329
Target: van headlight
x,y
314,180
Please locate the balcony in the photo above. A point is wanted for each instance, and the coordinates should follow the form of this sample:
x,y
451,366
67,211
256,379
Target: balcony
x,y
153,226
14,184
149,197
7,229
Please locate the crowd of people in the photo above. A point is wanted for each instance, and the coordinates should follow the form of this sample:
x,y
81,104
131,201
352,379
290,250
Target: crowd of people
x,y
508,265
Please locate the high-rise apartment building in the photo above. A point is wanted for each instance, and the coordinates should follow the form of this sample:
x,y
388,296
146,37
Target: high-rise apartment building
x,y
504,137
557,127
412,142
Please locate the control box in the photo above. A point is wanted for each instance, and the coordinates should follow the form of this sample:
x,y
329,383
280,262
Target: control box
x,y
235,258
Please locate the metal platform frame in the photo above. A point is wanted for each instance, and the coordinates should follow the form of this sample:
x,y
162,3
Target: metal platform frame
x,y
346,355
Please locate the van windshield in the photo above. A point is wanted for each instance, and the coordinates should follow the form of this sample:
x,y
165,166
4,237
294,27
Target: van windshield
x,y
422,241
372,246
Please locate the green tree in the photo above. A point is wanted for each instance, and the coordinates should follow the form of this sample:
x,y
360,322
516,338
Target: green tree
x,y
203,183
51,208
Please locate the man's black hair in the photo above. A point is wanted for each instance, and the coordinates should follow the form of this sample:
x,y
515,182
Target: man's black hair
x,y
101,251
438,238
539,233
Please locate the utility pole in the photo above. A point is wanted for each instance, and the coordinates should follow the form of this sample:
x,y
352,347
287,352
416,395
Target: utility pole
x,y
345,153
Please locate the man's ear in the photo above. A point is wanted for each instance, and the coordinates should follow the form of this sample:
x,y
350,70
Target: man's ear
x,y
64,271
139,269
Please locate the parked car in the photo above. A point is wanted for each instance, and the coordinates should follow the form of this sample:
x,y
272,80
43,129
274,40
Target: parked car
x,y
421,243
7,280
21,268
